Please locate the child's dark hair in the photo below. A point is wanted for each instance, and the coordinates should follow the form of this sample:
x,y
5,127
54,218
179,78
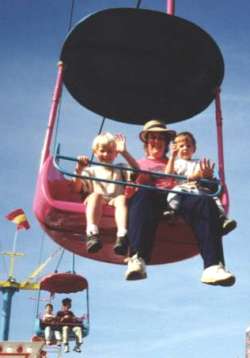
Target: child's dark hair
x,y
187,134
66,301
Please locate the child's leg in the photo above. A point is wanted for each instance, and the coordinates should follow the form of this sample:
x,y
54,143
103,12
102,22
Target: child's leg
x,y
65,338
47,334
227,224
65,334
121,214
94,211
174,199
58,337
121,218
220,206
78,333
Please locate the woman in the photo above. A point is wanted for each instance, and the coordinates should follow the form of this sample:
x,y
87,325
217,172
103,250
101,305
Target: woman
x,y
146,207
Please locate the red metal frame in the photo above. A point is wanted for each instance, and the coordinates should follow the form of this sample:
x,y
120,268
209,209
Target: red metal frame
x,y
219,127
220,150
53,114
170,7
15,354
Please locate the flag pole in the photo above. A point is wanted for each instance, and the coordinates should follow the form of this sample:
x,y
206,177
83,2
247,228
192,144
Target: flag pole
x,y
12,257
15,241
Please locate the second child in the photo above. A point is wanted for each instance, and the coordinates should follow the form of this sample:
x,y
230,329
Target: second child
x,y
181,162
49,323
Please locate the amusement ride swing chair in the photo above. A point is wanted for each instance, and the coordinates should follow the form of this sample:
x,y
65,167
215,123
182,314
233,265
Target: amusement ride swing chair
x,y
62,283
113,62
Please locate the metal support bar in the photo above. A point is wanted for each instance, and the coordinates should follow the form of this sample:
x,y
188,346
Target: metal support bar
x,y
6,312
137,171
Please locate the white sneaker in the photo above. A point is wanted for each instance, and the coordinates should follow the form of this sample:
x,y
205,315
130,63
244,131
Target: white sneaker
x,y
217,275
77,348
66,348
136,268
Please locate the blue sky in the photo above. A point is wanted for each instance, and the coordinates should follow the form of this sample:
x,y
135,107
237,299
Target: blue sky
x,y
171,314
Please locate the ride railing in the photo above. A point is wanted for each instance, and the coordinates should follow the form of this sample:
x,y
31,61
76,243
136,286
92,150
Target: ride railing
x,y
82,322
209,187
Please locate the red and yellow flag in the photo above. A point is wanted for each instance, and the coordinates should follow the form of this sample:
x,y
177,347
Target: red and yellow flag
x,y
19,218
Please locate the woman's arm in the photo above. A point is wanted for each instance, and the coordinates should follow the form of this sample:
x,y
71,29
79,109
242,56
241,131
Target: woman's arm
x,y
121,148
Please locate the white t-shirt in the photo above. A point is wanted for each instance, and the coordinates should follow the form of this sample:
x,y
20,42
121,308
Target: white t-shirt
x,y
108,190
186,167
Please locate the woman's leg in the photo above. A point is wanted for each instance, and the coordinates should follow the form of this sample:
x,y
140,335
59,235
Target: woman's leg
x,y
202,214
144,212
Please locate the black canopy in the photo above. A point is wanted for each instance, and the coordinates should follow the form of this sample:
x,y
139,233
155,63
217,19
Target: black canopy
x,y
133,65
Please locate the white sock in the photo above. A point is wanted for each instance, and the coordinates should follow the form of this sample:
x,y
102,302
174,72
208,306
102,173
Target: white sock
x,y
122,232
92,229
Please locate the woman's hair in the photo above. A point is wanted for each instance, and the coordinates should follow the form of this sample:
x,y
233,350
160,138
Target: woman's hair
x,y
104,138
187,134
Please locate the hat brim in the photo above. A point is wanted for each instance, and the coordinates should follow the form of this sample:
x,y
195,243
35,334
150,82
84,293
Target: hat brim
x,y
169,133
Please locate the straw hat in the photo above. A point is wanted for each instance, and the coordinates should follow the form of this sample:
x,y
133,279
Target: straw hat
x,y
156,126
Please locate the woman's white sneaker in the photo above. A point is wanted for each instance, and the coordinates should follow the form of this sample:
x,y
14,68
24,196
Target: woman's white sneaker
x,y
217,275
136,268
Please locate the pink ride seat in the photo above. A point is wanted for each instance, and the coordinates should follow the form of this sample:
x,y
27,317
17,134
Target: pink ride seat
x,y
61,213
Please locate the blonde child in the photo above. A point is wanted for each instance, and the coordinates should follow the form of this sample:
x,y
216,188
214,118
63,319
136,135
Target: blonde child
x,y
105,147
49,323
181,162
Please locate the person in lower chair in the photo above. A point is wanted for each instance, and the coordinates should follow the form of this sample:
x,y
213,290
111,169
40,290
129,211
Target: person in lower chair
x,y
67,323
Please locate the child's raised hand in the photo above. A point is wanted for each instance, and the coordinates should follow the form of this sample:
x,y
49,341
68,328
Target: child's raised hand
x,y
207,168
82,162
120,142
173,150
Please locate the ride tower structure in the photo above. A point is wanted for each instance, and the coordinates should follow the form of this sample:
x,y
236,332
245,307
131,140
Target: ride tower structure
x,y
9,287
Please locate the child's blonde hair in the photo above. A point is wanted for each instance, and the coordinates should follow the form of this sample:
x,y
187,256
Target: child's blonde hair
x,y
104,138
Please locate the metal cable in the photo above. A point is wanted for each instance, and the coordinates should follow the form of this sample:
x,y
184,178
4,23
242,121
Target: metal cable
x,y
138,4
